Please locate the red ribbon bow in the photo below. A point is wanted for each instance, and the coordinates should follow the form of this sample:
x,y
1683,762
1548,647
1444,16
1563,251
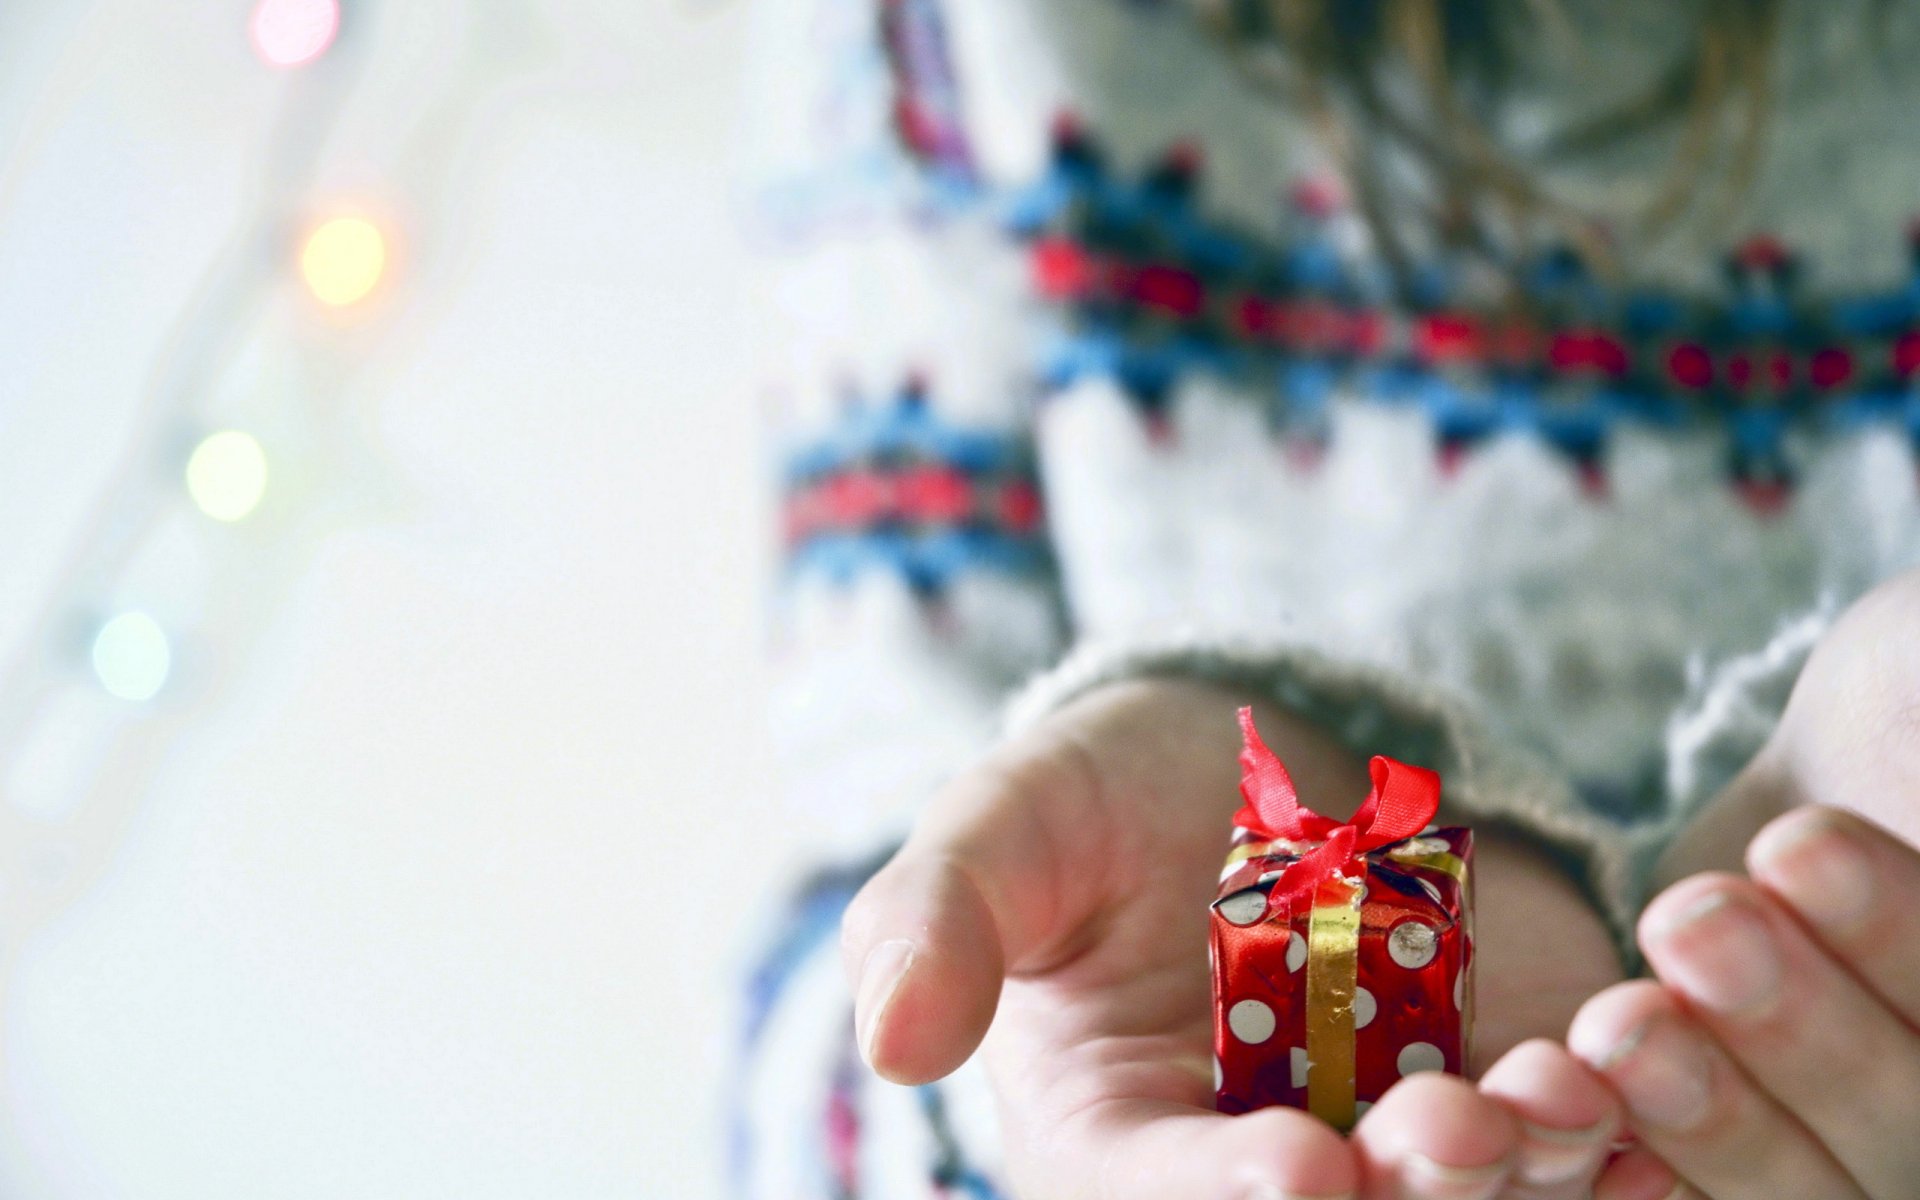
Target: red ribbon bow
x,y
1403,801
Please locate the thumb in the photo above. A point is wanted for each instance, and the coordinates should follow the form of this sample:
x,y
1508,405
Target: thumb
x,y
978,890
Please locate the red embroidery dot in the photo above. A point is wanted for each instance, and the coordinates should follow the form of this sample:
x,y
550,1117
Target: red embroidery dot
x,y
1369,332
1690,366
1906,354
1831,367
1020,507
1169,288
1448,338
1318,196
1766,498
1588,352
1186,157
1762,252
1061,269
1254,317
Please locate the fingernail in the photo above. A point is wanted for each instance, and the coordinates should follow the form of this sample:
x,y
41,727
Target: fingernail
x,y
1549,1155
1660,1070
1816,867
880,978
1426,1179
1719,952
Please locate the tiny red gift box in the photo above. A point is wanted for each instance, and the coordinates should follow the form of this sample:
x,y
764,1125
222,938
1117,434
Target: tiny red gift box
x,y
1342,952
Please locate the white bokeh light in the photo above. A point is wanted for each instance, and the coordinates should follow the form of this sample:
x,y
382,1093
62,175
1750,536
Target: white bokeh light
x,y
131,656
227,475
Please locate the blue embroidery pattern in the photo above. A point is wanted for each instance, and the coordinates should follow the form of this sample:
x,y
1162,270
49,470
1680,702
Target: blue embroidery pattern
x,y
897,488
1153,289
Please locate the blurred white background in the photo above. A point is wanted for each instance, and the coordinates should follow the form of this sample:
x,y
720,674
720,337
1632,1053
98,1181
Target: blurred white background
x,y
420,875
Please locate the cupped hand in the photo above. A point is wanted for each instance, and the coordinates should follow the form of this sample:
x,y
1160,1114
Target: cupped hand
x,y
1779,1052
1053,903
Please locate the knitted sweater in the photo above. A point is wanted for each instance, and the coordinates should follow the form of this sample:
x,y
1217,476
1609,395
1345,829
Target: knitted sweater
x,y
1077,352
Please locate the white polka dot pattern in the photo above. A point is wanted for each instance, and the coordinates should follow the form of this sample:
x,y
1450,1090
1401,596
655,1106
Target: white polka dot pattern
x,y
1459,991
1364,1008
1251,1021
1244,908
1296,951
1421,1056
1297,1059
1412,943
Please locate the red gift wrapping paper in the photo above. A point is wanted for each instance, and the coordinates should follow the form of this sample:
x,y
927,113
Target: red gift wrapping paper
x,y
1342,952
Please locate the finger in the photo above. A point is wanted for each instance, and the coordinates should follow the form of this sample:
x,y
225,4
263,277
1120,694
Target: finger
x,y
929,939
1857,888
1434,1137
1802,1028
1638,1174
1567,1118
1152,1150
1693,1106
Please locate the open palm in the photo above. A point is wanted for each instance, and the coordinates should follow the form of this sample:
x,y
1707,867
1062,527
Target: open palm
x,y
1054,902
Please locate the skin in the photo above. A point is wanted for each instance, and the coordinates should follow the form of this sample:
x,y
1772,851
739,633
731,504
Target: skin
x,y
1788,984
1083,976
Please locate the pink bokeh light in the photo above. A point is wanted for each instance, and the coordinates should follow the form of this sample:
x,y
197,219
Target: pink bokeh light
x,y
292,33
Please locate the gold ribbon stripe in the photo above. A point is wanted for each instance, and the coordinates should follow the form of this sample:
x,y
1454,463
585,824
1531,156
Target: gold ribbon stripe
x,y
1333,966
1442,861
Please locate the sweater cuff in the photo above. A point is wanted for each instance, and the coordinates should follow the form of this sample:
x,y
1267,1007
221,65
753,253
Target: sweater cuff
x,y
1731,711
1373,710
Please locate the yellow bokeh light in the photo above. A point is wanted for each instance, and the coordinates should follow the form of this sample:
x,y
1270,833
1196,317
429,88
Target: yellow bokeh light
x,y
131,656
227,475
343,260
